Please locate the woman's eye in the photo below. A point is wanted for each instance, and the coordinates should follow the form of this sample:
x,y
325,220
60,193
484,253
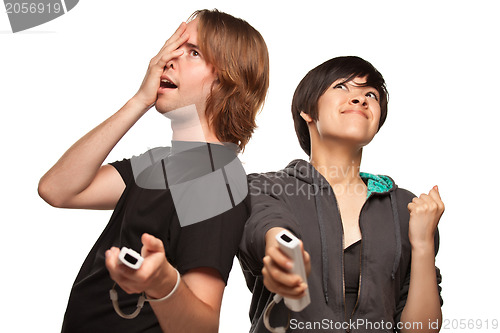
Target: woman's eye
x,y
340,86
195,53
372,95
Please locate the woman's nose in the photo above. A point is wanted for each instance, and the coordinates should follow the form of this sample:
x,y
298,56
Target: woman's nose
x,y
359,99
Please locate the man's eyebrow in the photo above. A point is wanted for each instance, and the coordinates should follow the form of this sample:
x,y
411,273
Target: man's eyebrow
x,y
192,46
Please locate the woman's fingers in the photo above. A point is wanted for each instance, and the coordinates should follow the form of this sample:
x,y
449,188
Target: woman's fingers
x,y
277,275
282,282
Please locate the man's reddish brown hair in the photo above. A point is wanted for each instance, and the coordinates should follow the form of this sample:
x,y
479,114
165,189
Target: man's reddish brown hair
x,y
241,60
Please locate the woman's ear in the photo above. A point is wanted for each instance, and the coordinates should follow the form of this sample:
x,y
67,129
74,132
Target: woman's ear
x,y
306,117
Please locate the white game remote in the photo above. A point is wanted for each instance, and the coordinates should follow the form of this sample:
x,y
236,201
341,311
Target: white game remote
x,y
130,258
290,245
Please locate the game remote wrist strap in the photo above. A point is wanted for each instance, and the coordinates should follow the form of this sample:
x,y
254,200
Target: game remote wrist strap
x,y
113,295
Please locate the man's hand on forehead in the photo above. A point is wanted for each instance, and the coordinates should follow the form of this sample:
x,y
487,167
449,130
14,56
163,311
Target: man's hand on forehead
x,y
148,91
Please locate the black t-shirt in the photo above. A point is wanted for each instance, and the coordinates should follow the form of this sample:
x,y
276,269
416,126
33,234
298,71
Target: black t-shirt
x,y
208,243
352,269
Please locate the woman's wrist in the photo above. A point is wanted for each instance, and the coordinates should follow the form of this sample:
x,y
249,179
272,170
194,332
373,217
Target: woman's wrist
x,y
271,234
422,248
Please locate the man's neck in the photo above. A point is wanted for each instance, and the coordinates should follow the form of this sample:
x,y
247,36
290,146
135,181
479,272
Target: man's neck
x,y
190,125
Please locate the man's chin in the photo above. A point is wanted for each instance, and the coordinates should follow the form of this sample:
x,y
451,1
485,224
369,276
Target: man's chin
x,y
162,108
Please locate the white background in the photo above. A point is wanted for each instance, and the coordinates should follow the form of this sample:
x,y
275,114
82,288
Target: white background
x,y
441,64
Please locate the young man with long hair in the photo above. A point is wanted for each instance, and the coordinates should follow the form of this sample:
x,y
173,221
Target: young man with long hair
x,y
210,78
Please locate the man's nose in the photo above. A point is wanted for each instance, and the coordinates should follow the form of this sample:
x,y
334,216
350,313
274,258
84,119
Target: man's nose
x,y
173,63
170,64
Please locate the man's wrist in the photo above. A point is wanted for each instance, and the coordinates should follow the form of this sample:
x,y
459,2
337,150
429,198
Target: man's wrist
x,y
168,280
136,103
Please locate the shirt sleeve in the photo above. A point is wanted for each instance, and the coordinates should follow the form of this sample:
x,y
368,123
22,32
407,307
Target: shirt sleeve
x,y
124,168
211,243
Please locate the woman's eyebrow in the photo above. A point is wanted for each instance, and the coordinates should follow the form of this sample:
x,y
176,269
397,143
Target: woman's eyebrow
x,y
357,84
363,85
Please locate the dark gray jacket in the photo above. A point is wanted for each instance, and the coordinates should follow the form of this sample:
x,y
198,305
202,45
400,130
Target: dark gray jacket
x,y
299,199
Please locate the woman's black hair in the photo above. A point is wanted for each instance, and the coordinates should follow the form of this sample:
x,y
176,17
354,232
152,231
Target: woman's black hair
x,y
319,79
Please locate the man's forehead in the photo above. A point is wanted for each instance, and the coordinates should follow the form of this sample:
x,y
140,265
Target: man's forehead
x,y
192,27
192,30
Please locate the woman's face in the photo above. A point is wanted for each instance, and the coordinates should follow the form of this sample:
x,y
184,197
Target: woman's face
x,y
349,112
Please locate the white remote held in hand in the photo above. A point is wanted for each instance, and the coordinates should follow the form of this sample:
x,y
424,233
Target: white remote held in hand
x,y
290,245
130,258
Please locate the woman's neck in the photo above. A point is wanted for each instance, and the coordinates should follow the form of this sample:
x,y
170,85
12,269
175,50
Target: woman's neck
x,y
339,164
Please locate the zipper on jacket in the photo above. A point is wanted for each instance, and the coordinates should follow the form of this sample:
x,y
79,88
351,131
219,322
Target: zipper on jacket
x,y
348,330
343,280
359,286
360,258
342,260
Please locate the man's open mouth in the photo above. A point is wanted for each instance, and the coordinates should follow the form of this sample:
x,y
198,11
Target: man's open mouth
x,y
167,84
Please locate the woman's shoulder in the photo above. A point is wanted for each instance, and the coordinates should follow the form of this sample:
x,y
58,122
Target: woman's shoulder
x,y
296,169
405,194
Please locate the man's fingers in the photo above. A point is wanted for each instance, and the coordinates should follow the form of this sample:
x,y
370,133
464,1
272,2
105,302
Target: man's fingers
x,y
177,34
130,280
112,258
181,28
151,245
160,61
173,43
165,58
170,50
118,272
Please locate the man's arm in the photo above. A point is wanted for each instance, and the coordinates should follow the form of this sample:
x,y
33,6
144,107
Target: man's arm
x,y
423,302
193,307
78,180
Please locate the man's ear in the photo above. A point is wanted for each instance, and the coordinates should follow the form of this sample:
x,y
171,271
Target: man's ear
x,y
306,117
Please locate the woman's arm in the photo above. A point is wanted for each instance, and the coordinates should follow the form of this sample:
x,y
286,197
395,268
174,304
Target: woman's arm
x,y
423,305
267,211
